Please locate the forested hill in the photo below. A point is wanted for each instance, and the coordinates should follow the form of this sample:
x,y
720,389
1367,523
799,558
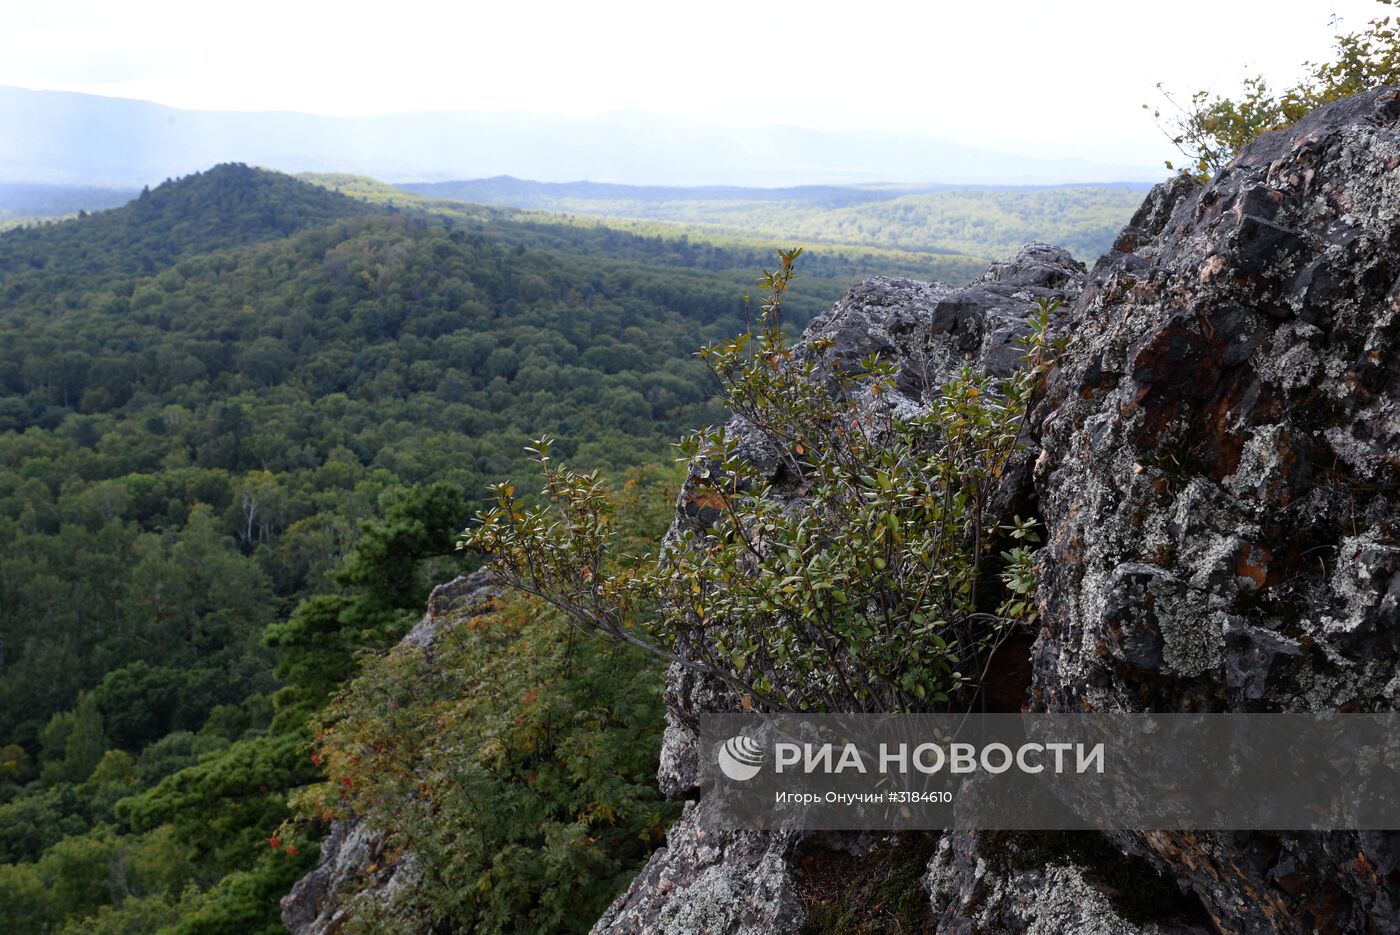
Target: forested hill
x,y
383,347
241,419
229,205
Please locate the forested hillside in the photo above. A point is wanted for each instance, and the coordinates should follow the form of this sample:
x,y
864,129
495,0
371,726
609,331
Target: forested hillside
x,y
985,222
941,232
241,420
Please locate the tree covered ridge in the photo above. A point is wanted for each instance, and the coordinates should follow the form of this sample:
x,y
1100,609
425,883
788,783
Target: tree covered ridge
x,y
229,205
228,462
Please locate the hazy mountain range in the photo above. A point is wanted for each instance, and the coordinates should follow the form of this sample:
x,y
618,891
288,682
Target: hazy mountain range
x,y
64,138
984,221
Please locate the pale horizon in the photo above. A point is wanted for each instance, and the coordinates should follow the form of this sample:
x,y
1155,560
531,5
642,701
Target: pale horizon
x,y
1020,78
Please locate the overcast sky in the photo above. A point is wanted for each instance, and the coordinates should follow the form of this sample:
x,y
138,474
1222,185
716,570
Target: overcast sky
x,y
1064,78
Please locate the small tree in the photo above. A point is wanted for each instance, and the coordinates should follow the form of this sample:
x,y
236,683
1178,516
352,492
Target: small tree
x,y
1209,129
869,592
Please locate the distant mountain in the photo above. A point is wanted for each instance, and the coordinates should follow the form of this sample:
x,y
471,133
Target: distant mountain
x,y
27,200
984,221
551,196
64,138
229,205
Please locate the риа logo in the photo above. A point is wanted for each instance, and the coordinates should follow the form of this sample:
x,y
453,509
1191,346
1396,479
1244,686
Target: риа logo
x,y
740,758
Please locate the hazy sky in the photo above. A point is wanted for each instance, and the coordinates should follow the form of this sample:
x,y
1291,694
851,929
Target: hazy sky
x,y
1051,78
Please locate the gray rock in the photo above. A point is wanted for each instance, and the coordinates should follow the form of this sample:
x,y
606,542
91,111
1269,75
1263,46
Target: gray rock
x,y
320,901
994,883
710,883
460,595
1219,485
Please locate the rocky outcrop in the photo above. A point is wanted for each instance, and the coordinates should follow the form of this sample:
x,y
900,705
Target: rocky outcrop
x,y
1217,465
354,866
1222,441
1051,884
349,871
1220,479
710,883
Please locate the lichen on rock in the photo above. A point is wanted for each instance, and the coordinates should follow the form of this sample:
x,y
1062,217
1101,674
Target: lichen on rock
x,y
1241,358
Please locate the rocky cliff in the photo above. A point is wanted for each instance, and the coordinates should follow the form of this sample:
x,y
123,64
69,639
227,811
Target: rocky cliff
x,y
1217,464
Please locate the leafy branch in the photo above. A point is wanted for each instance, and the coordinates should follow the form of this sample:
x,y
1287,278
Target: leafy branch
x,y
853,587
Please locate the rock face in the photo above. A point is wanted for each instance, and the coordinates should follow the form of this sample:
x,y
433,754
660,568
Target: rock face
x,y
1220,477
1217,465
1221,443
708,882
1050,884
352,867
320,901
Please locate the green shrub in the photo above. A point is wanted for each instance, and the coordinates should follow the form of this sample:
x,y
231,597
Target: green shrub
x,y
868,597
515,762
